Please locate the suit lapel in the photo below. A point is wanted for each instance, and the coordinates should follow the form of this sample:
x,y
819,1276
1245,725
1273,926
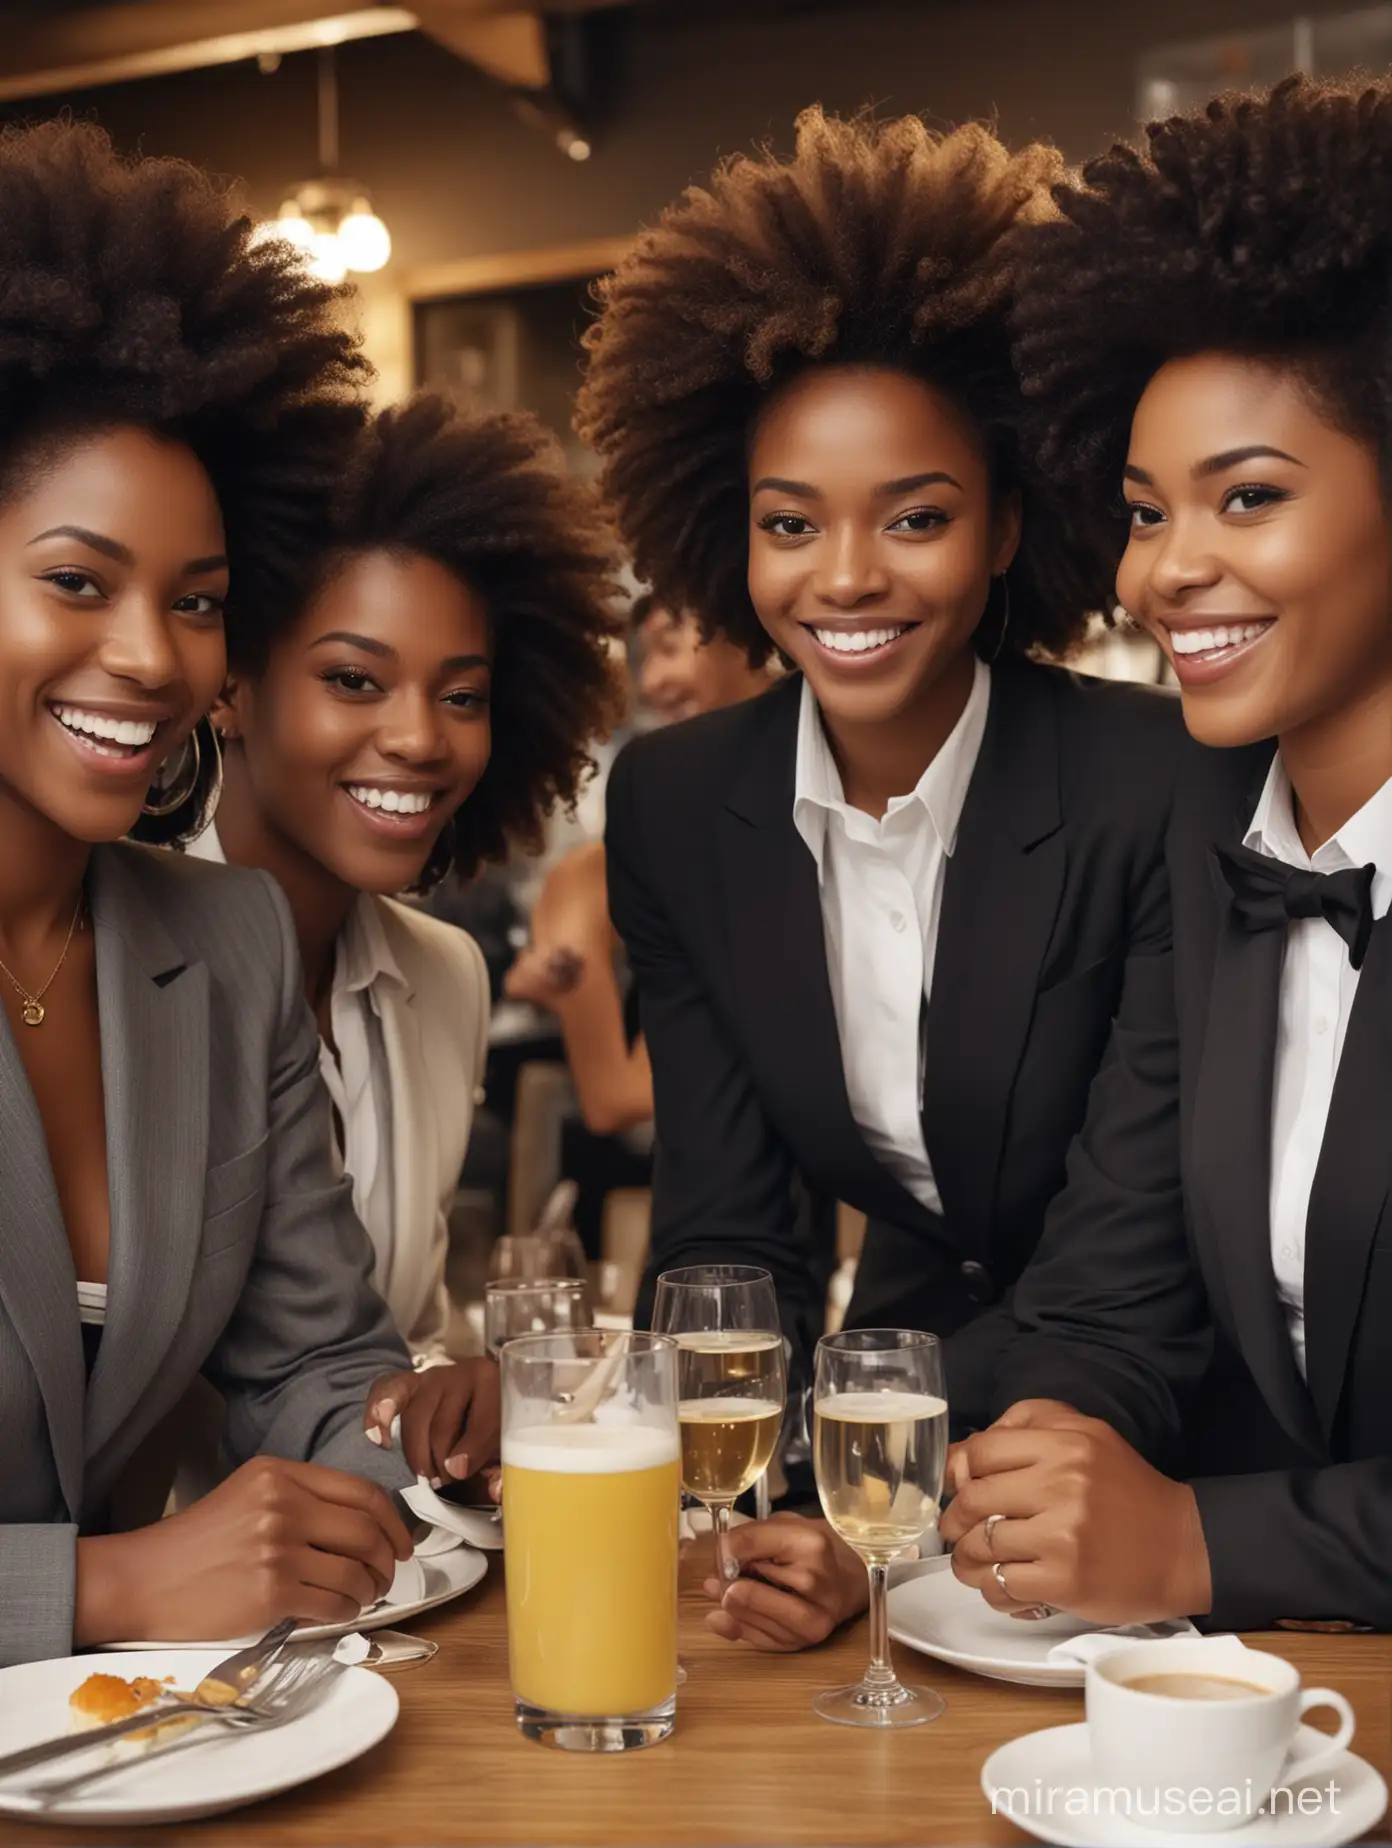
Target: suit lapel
x,y
1229,1154
414,1124
154,1030
1351,1181
1000,901
779,962
38,1286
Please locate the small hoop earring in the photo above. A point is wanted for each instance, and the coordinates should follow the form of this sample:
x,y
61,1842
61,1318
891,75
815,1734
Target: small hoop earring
x,y
1004,581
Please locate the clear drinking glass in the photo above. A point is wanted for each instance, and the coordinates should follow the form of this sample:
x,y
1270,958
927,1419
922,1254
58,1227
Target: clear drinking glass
x,y
733,1382
879,1450
591,1468
515,1306
534,1255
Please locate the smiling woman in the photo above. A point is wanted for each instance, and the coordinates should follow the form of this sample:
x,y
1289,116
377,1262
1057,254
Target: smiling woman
x,y
425,695
1205,327
174,401
882,917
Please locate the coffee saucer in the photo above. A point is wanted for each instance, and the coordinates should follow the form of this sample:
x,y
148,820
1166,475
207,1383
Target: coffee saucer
x,y
1040,1780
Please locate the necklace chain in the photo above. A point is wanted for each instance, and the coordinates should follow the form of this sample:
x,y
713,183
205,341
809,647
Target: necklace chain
x,y
33,1011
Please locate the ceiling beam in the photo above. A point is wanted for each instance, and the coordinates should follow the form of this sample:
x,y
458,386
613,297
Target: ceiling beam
x,y
154,38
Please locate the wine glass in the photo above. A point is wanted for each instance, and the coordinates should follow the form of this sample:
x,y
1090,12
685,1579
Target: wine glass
x,y
879,1450
514,1306
731,1382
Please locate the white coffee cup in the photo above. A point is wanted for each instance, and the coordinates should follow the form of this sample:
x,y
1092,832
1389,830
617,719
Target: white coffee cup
x,y
1198,1766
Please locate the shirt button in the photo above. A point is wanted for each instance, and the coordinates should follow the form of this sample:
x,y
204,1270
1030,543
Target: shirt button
x,y
897,920
1286,1252
1322,1024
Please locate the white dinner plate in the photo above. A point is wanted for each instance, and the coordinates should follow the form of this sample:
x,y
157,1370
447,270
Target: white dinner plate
x,y
1044,1783
934,1612
449,1575
220,1773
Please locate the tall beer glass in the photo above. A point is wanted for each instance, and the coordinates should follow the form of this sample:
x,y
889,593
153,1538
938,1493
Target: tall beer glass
x,y
591,1478
879,1450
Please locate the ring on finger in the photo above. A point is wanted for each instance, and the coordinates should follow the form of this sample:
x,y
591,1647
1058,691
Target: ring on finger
x,y
998,1574
992,1522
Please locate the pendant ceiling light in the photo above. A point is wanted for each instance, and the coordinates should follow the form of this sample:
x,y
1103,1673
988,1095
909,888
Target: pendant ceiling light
x,y
330,218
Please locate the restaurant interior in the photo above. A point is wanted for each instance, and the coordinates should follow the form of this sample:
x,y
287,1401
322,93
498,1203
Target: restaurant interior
x,y
469,170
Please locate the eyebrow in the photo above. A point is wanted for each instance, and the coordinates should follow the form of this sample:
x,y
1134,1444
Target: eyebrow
x,y
1215,465
122,554
365,642
455,664
886,490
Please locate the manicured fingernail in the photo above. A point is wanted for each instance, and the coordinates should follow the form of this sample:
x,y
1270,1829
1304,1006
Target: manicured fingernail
x,y
436,1483
458,1465
712,1588
374,1436
384,1411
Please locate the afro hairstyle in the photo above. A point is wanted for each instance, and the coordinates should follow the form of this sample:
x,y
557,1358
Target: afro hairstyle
x,y
132,295
1260,225
490,499
877,244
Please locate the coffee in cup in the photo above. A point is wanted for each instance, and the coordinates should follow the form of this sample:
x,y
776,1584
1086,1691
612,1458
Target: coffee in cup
x,y
1197,1735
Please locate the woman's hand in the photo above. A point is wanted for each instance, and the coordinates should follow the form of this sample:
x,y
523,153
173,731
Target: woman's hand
x,y
1088,1526
276,1539
451,1418
803,1581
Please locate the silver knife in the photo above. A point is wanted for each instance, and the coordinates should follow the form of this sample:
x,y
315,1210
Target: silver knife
x,y
220,1687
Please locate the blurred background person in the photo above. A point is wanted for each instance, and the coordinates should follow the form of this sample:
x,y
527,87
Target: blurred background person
x,y
573,964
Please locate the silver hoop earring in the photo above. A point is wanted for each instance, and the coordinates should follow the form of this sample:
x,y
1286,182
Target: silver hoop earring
x,y
1004,581
170,797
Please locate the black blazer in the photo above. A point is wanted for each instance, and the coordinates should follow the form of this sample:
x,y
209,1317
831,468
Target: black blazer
x,y
1134,1286
1054,918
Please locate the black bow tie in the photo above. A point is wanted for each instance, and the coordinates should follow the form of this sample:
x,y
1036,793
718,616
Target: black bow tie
x,y
1267,895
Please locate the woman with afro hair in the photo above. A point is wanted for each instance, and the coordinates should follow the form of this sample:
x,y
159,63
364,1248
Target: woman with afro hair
x,y
173,398
881,918
421,703
1205,332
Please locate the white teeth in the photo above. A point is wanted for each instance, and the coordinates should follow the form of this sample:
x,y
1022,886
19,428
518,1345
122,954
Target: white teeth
x,y
394,801
1205,641
133,733
858,641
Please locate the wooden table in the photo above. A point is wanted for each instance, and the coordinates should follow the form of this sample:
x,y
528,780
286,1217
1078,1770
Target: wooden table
x,y
749,1761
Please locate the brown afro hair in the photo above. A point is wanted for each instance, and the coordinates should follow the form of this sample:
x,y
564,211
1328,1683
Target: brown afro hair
x,y
876,244
490,499
131,294
1260,225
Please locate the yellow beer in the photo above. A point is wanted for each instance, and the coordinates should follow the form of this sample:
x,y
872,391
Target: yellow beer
x,y
590,1537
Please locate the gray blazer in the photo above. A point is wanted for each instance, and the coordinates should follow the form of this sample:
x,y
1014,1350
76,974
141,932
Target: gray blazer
x,y
234,1251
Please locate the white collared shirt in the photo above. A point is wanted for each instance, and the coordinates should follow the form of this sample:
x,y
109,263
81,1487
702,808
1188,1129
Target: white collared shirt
x,y
1318,984
356,1078
881,888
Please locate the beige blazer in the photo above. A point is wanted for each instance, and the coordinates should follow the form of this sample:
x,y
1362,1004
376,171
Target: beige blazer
x,y
435,1034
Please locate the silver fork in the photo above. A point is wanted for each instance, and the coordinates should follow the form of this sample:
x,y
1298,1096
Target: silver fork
x,y
287,1692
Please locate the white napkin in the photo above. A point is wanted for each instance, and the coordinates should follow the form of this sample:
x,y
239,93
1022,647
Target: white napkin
x,y
1078,1651
479,1527
408,1583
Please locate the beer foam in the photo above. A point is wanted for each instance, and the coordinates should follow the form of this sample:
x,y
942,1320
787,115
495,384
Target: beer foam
x,y
727,1341
880,1407
590,1449
728,1409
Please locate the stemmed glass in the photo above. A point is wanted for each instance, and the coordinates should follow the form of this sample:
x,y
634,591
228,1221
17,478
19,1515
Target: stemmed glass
x,y
879,1450
731,1383
514,1306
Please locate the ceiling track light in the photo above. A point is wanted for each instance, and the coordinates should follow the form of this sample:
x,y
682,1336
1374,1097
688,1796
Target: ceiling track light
x,y
330,219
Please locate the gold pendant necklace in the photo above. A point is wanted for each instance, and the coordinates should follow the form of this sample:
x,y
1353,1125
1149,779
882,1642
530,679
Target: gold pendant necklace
x,y
32,1011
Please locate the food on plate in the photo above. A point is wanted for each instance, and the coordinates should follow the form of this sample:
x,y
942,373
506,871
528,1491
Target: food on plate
x,y
104,1698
